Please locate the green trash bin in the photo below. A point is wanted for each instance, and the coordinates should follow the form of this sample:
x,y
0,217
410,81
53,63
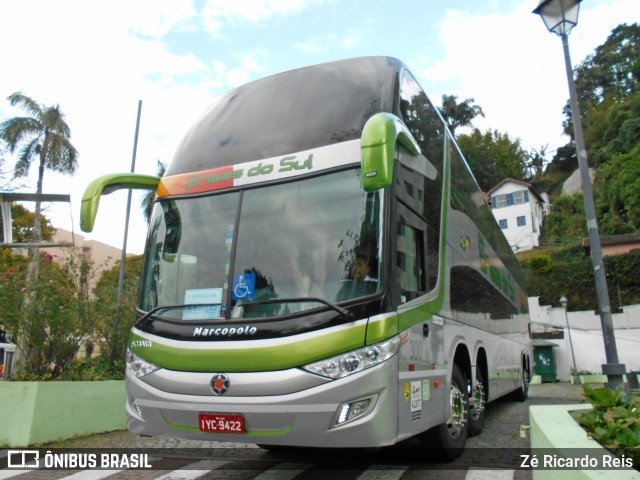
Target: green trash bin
x,y
545,360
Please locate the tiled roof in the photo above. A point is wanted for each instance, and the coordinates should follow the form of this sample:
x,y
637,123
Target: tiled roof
x,y
615,239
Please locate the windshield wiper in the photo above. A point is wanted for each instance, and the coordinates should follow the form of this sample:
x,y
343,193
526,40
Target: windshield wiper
x,y
342,311
173,307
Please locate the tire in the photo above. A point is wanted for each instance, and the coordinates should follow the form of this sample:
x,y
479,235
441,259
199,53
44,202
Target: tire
x,y
477,404
446,442
522,393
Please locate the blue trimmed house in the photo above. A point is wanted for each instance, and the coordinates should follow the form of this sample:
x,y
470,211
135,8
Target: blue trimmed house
x,y
519,210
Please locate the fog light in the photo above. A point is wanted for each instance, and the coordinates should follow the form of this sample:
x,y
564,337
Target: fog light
x,y
351,410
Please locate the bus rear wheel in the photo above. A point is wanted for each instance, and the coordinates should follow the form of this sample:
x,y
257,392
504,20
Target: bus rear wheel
x,y
522,393
447,441
477,404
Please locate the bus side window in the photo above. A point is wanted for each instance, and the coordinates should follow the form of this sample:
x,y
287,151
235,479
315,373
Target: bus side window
x,y
410,255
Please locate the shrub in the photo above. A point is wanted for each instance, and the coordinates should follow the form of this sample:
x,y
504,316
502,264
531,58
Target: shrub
x,y
614,421
91,369
541,263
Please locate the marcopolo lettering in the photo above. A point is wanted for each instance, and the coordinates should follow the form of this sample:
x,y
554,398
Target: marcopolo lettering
x,y
224,331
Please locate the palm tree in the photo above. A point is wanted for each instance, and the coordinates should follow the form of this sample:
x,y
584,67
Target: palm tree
x,y
146,202
43,135
458,114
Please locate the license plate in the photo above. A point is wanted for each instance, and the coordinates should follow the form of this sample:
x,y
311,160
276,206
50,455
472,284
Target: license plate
x,y
221,423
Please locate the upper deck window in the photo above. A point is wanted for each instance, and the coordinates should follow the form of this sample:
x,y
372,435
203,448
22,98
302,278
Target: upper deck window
x,y
289,112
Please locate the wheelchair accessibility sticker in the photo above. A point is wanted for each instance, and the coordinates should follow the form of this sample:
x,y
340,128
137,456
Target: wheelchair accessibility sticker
x,y
244,286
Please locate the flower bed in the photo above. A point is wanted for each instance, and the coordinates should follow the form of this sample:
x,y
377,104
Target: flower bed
x,y
555,432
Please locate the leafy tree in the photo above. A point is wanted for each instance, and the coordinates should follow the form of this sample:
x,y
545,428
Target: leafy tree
x,y
537,161
613,128
23,225
105,294
609,75
146,203
43,136
5,179
569,271
564,161
493,156
12,267
50,329
566,223
459,114
618,195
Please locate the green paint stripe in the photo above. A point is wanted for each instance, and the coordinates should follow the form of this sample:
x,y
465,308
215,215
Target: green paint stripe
x,y
256,433
427,310
251,359
382,329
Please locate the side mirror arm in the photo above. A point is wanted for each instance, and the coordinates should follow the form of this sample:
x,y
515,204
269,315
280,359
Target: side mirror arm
x,y
107,184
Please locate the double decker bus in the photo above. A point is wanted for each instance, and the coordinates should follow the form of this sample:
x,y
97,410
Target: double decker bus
x,y
322,270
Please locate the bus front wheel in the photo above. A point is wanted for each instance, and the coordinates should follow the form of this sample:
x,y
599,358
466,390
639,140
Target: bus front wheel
x,y
447,440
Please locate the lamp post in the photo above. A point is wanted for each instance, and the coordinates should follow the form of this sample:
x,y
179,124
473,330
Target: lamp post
x,y
563,302
560,16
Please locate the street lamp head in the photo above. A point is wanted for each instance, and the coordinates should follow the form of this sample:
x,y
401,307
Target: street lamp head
x,y
559,16
564,301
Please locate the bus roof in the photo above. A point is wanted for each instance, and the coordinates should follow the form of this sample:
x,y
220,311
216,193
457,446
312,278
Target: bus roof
x,y
289,112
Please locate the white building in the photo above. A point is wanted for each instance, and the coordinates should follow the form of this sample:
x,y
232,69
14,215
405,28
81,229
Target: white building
x,y
582,333
519,211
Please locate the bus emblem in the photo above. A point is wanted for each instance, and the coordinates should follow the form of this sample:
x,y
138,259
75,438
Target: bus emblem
x,y
220,383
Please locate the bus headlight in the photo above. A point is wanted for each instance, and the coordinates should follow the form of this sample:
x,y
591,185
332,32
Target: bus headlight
x,y
139,366
356,360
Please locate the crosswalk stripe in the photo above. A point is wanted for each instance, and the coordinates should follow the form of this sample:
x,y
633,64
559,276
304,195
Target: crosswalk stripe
x,y
193,470
377,472
284,471
490,475
91,475
281,471
12,473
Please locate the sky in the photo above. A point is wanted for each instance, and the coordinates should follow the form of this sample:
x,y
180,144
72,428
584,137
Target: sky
x,y
97,59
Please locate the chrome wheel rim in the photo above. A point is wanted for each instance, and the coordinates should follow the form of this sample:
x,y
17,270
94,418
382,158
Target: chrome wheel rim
x,y
458,416
477,403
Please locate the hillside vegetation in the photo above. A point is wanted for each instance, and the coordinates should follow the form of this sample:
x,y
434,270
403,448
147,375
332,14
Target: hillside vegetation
x,y
607,83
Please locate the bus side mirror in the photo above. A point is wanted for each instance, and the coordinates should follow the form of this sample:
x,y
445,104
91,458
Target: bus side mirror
x,y
378,149
107,184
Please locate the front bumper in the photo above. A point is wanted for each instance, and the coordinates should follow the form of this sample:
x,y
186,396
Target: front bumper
x,y
303,417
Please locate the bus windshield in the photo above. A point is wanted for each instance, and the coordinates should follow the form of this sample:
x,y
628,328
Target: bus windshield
x,y
264,252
